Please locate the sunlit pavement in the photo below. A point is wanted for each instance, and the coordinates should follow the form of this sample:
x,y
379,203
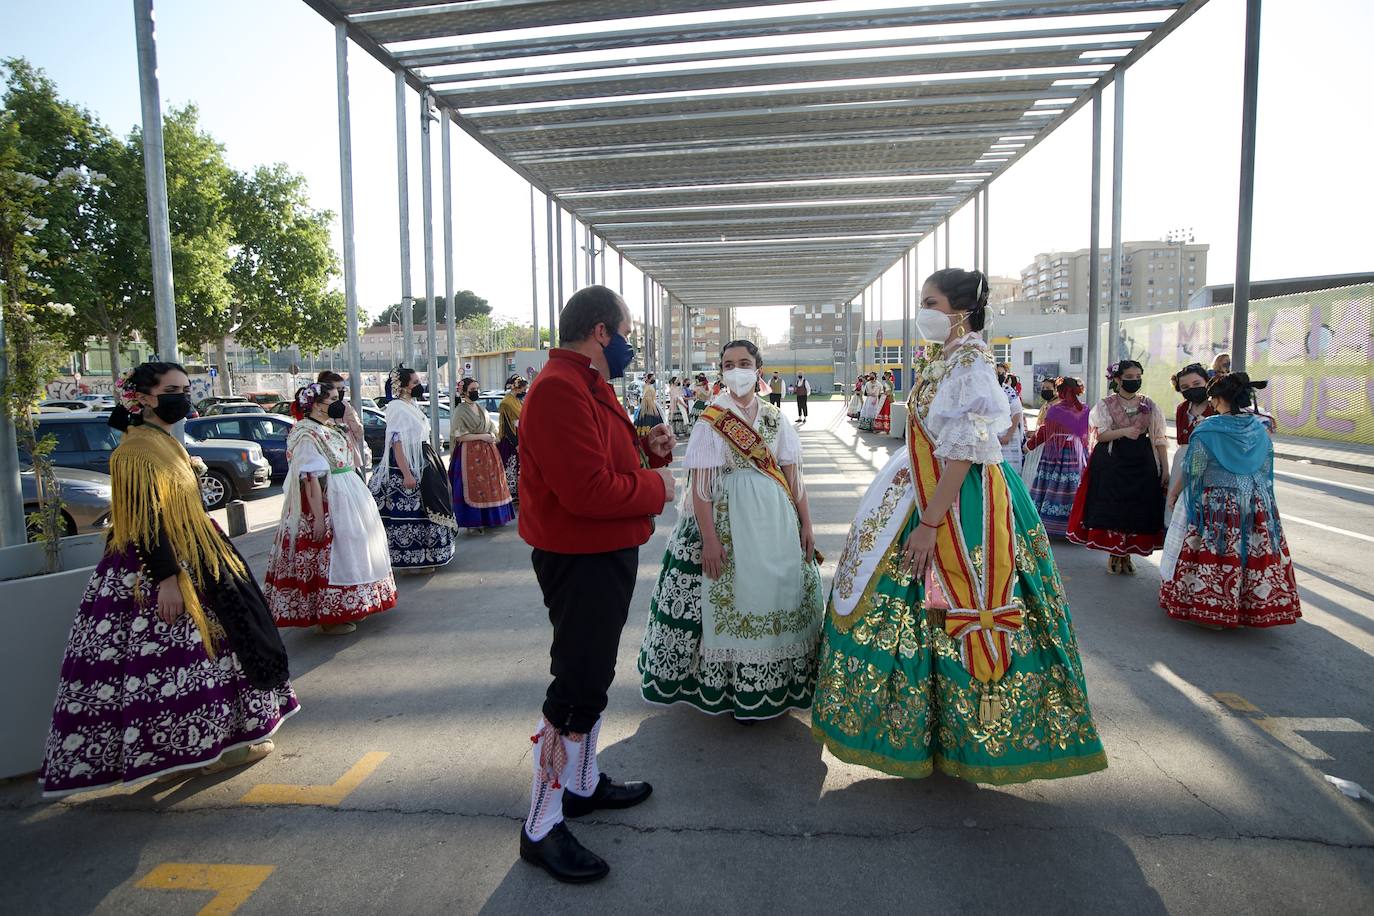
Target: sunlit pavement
x,y
401,785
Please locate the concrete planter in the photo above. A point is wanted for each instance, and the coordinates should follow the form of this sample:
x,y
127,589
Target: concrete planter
x,y
36,612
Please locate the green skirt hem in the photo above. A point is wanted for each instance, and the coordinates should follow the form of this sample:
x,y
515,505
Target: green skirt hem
x,y
988,775
690,695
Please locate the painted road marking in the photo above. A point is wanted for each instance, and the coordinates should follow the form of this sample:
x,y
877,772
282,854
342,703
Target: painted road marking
x,y
1286,728
232,884
1335,483
1311,524
331,795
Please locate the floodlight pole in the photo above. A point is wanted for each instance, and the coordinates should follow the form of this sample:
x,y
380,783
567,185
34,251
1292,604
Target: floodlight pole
x,y
350,265
1093,364
1118,156
1240,310
403,209
450,321
427,215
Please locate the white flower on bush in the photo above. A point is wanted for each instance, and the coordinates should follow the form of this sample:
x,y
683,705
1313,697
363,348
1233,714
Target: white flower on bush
x,y
34,224
62,308
28,181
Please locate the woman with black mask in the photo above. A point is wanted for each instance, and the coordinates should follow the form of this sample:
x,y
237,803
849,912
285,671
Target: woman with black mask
x,y
481,490
1120,503
1191,382
173,664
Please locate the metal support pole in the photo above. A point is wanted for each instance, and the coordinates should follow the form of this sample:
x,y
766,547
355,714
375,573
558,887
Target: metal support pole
x,y
667,313
427,215
620,286
987,233
548,256
13,525
534,272
403,208
602,271
155,182
350,261
977,230
947,259
558,246
863,331
450,320
573,253
1240,312
848,346
1118,155
686,337
1092,366
648,345
907,260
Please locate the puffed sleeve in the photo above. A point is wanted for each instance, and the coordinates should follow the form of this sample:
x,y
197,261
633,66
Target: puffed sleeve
x,y
1101,417
971,412
306,459
1157,431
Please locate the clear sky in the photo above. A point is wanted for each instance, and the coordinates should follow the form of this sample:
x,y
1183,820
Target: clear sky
x,y
262,72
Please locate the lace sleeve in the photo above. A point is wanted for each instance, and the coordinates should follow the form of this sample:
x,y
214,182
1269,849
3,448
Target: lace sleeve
x,y
789,449
706,454
1157,430
306,460
970,411
1101,418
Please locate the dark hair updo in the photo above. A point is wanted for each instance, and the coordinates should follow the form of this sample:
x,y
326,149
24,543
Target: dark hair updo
x,y
1191,369
967,291
1236,389
746,344
142,379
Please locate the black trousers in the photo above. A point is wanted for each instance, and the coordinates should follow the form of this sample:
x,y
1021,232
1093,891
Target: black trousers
x,y
588,597
775,399
801,405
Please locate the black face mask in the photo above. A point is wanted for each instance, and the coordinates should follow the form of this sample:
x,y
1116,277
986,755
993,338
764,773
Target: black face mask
x,y
173,408
336,410
1001,379
1131,385
417,392
1195,395
1047,394
472,395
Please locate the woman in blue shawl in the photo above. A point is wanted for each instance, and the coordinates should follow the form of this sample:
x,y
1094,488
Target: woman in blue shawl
x,y
1226,562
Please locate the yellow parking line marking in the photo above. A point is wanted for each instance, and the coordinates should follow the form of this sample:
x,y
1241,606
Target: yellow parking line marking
x,y
331,795
1285,728
1237,702
232,884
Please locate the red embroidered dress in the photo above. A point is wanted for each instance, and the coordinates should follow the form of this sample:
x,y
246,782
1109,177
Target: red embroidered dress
x,y
345,575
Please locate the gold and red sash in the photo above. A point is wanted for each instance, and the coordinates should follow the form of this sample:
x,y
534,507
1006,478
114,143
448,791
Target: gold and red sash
x,y
982,617
741,436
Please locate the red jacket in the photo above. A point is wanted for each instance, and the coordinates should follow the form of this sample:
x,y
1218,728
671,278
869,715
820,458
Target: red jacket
x,y
582,486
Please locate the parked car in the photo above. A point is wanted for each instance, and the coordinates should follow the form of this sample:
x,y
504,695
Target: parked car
x,y
85,440
205,404
269,431
223,409
281,409
374,431
96,398
85,498
263,398
64,404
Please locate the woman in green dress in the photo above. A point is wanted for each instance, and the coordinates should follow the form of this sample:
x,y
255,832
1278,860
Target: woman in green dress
x,y
735,616
947,643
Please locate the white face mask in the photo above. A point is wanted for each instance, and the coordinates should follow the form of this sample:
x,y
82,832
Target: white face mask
x,y
933,326
740,381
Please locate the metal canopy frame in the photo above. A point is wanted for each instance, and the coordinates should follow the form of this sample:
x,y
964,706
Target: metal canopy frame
x,y
794,159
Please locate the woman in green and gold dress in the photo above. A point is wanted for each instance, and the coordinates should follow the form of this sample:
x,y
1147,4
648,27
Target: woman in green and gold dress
x,y
947,642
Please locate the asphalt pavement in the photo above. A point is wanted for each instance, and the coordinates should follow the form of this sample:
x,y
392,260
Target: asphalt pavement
x,y
401,785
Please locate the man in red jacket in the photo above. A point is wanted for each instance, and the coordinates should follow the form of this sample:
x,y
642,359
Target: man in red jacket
x,y
589,490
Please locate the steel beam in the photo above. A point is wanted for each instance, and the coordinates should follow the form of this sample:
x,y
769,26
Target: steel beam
x,y
403,209
431,318
450,320
553,276
534,272
1093,364
1118,158
1240,310
350,260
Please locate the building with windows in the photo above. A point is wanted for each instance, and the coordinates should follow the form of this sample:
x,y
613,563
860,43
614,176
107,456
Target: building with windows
x,y
823,327
1156,276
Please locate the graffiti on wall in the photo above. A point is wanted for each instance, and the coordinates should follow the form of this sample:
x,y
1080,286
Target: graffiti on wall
x,y
1315,349
67,388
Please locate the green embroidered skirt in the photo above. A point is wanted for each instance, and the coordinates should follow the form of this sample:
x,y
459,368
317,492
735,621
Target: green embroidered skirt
x,y
777,675
892,694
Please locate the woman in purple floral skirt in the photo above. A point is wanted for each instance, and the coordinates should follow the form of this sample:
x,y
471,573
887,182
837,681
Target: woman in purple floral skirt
x,y
173,663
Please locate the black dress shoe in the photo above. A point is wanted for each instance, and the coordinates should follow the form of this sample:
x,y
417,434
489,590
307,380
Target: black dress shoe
x,y
562,856
607,795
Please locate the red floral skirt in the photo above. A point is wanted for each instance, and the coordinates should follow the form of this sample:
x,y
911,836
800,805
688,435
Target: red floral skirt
x,y
1210,585
297,583
882,423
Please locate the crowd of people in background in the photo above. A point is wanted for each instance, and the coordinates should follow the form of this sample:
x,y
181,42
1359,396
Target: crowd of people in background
x,y
175,665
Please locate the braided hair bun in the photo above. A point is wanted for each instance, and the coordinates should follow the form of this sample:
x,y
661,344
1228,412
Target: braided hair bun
x,y
1236,389
967,291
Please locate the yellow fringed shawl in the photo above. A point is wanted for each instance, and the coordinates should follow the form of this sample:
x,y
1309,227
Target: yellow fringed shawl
x,y
156,489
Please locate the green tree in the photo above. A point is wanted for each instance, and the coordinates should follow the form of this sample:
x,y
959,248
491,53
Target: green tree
x,y
466,304
282,267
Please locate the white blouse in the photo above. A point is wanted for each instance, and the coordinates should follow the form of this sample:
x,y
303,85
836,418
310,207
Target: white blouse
x,y
708,452
970,410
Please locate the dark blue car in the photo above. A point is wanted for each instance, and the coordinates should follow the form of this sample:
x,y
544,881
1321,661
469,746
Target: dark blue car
x,y
269,431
